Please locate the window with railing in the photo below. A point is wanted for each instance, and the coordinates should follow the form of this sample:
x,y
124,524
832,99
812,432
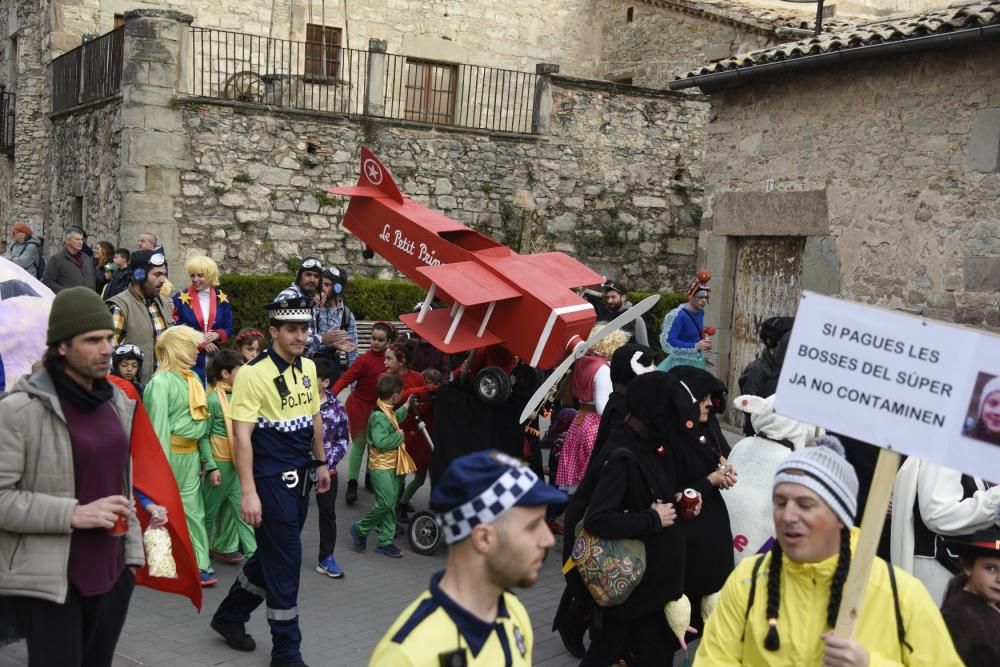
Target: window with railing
x,y
322,52
6,121
90,72
430,91
322,74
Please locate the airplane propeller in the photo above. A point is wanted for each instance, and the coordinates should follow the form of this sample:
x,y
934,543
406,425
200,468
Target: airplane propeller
x,y
633,313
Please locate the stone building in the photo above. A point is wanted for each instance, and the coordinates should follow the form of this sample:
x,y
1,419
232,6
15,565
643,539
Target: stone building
x,y
863,163
219,128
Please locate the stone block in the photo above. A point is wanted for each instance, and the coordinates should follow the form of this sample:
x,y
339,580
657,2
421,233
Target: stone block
x,y
821,265
149,50
776,213
274,176
645,201
132,179
143,95
286,233
442,186
234,199
982,274
162,74
149,148
446,202
140,208
163,181
163,119
984,144
681,246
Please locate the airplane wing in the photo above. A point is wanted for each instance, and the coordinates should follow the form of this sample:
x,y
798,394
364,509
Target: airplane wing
x,y
471,286
469,283
564,270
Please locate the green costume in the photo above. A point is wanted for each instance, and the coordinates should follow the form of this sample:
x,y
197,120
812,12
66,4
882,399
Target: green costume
x,y
166,398
384,440
226,531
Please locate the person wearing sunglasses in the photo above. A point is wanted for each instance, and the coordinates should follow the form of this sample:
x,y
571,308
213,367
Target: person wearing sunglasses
x,y
308,283
140,313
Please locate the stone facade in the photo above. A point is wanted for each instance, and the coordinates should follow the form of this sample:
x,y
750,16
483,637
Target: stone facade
x,y
613,182
882,163
662,42
515,34
84,170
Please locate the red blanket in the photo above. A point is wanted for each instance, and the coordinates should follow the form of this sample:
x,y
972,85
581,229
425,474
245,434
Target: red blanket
x,y
152,475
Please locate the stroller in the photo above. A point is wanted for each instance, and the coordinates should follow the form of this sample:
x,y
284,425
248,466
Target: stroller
x,y
464,423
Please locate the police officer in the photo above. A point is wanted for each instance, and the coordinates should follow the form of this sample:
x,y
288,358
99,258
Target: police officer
x,y
278,450
492,512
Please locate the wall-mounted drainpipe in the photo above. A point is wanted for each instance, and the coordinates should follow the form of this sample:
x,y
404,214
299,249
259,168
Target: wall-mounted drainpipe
x,y
819,17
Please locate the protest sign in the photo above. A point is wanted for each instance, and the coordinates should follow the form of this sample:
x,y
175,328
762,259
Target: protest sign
x,y
901,382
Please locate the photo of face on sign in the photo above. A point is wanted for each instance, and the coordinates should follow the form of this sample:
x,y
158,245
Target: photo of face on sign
x,y
983,419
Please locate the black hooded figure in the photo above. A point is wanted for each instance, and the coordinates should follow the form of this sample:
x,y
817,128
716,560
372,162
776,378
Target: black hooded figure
x,y
698,449
627,363
631,472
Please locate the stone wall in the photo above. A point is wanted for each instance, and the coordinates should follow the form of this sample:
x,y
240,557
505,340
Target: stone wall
x,y
31,141
662,43
888,143
84,164
613,182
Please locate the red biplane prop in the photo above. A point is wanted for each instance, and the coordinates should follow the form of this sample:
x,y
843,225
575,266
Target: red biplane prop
x,y
525,303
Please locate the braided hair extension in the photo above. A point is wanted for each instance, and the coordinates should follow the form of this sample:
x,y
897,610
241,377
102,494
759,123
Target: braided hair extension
x,y
839,577
771,641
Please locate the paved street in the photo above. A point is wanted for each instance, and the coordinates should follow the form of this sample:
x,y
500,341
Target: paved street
x,y
341,619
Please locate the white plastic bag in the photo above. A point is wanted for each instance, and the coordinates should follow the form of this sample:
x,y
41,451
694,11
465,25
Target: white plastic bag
x,y
159,557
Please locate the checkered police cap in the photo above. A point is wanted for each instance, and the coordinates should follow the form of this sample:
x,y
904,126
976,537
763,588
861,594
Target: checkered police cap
x,y
480,487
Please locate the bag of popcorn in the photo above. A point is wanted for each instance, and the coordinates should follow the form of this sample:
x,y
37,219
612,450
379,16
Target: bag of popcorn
x,y
159,558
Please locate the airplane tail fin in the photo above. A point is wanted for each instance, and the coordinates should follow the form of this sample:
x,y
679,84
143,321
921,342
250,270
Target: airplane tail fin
x,y
374,180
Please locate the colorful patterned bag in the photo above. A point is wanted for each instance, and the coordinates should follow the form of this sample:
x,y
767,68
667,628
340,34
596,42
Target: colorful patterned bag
x,y
610,569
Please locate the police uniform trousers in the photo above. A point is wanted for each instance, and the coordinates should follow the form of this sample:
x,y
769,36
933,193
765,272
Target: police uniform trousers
x,y
271,575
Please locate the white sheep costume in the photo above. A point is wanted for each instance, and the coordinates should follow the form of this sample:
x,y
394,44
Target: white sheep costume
x,y
756,459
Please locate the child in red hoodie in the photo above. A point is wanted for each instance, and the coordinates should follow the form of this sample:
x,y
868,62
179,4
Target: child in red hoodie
x,y
364,373
415,441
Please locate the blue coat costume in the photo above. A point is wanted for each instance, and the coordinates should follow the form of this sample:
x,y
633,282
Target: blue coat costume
x,y
219,318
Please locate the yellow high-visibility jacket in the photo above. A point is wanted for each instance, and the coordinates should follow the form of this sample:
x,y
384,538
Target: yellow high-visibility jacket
x,y
733,638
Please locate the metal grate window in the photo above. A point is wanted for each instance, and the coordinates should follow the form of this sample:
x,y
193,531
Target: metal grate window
x,y
430,91
323,46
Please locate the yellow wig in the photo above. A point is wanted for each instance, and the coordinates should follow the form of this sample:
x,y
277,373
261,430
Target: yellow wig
x,y
177,349
206,266
607,345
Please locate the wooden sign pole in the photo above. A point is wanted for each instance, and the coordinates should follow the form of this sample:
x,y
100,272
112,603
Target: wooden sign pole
x,y
864,554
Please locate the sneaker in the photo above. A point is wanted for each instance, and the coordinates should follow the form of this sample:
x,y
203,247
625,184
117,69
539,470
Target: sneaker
x,y
360,541
235,635
329,567
351,496
390,550
232,557
208,579
282,663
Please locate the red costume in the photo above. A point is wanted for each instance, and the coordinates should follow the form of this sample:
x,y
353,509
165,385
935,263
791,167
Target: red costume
x,y
361,401
152,475
413,439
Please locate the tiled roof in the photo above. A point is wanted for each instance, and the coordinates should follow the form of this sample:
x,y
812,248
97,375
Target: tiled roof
x,y
956,16
747,16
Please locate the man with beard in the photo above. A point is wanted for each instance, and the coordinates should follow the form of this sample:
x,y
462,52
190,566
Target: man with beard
x,y
140,313
615,303
65,474
307,284
492,512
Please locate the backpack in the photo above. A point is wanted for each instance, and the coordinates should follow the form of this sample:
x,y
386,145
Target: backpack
x,y
40,267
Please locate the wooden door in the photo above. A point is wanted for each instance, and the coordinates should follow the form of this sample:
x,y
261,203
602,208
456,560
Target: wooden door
x,y
768,284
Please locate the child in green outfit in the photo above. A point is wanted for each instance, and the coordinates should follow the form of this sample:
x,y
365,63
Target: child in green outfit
x,y
384,438
230,538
